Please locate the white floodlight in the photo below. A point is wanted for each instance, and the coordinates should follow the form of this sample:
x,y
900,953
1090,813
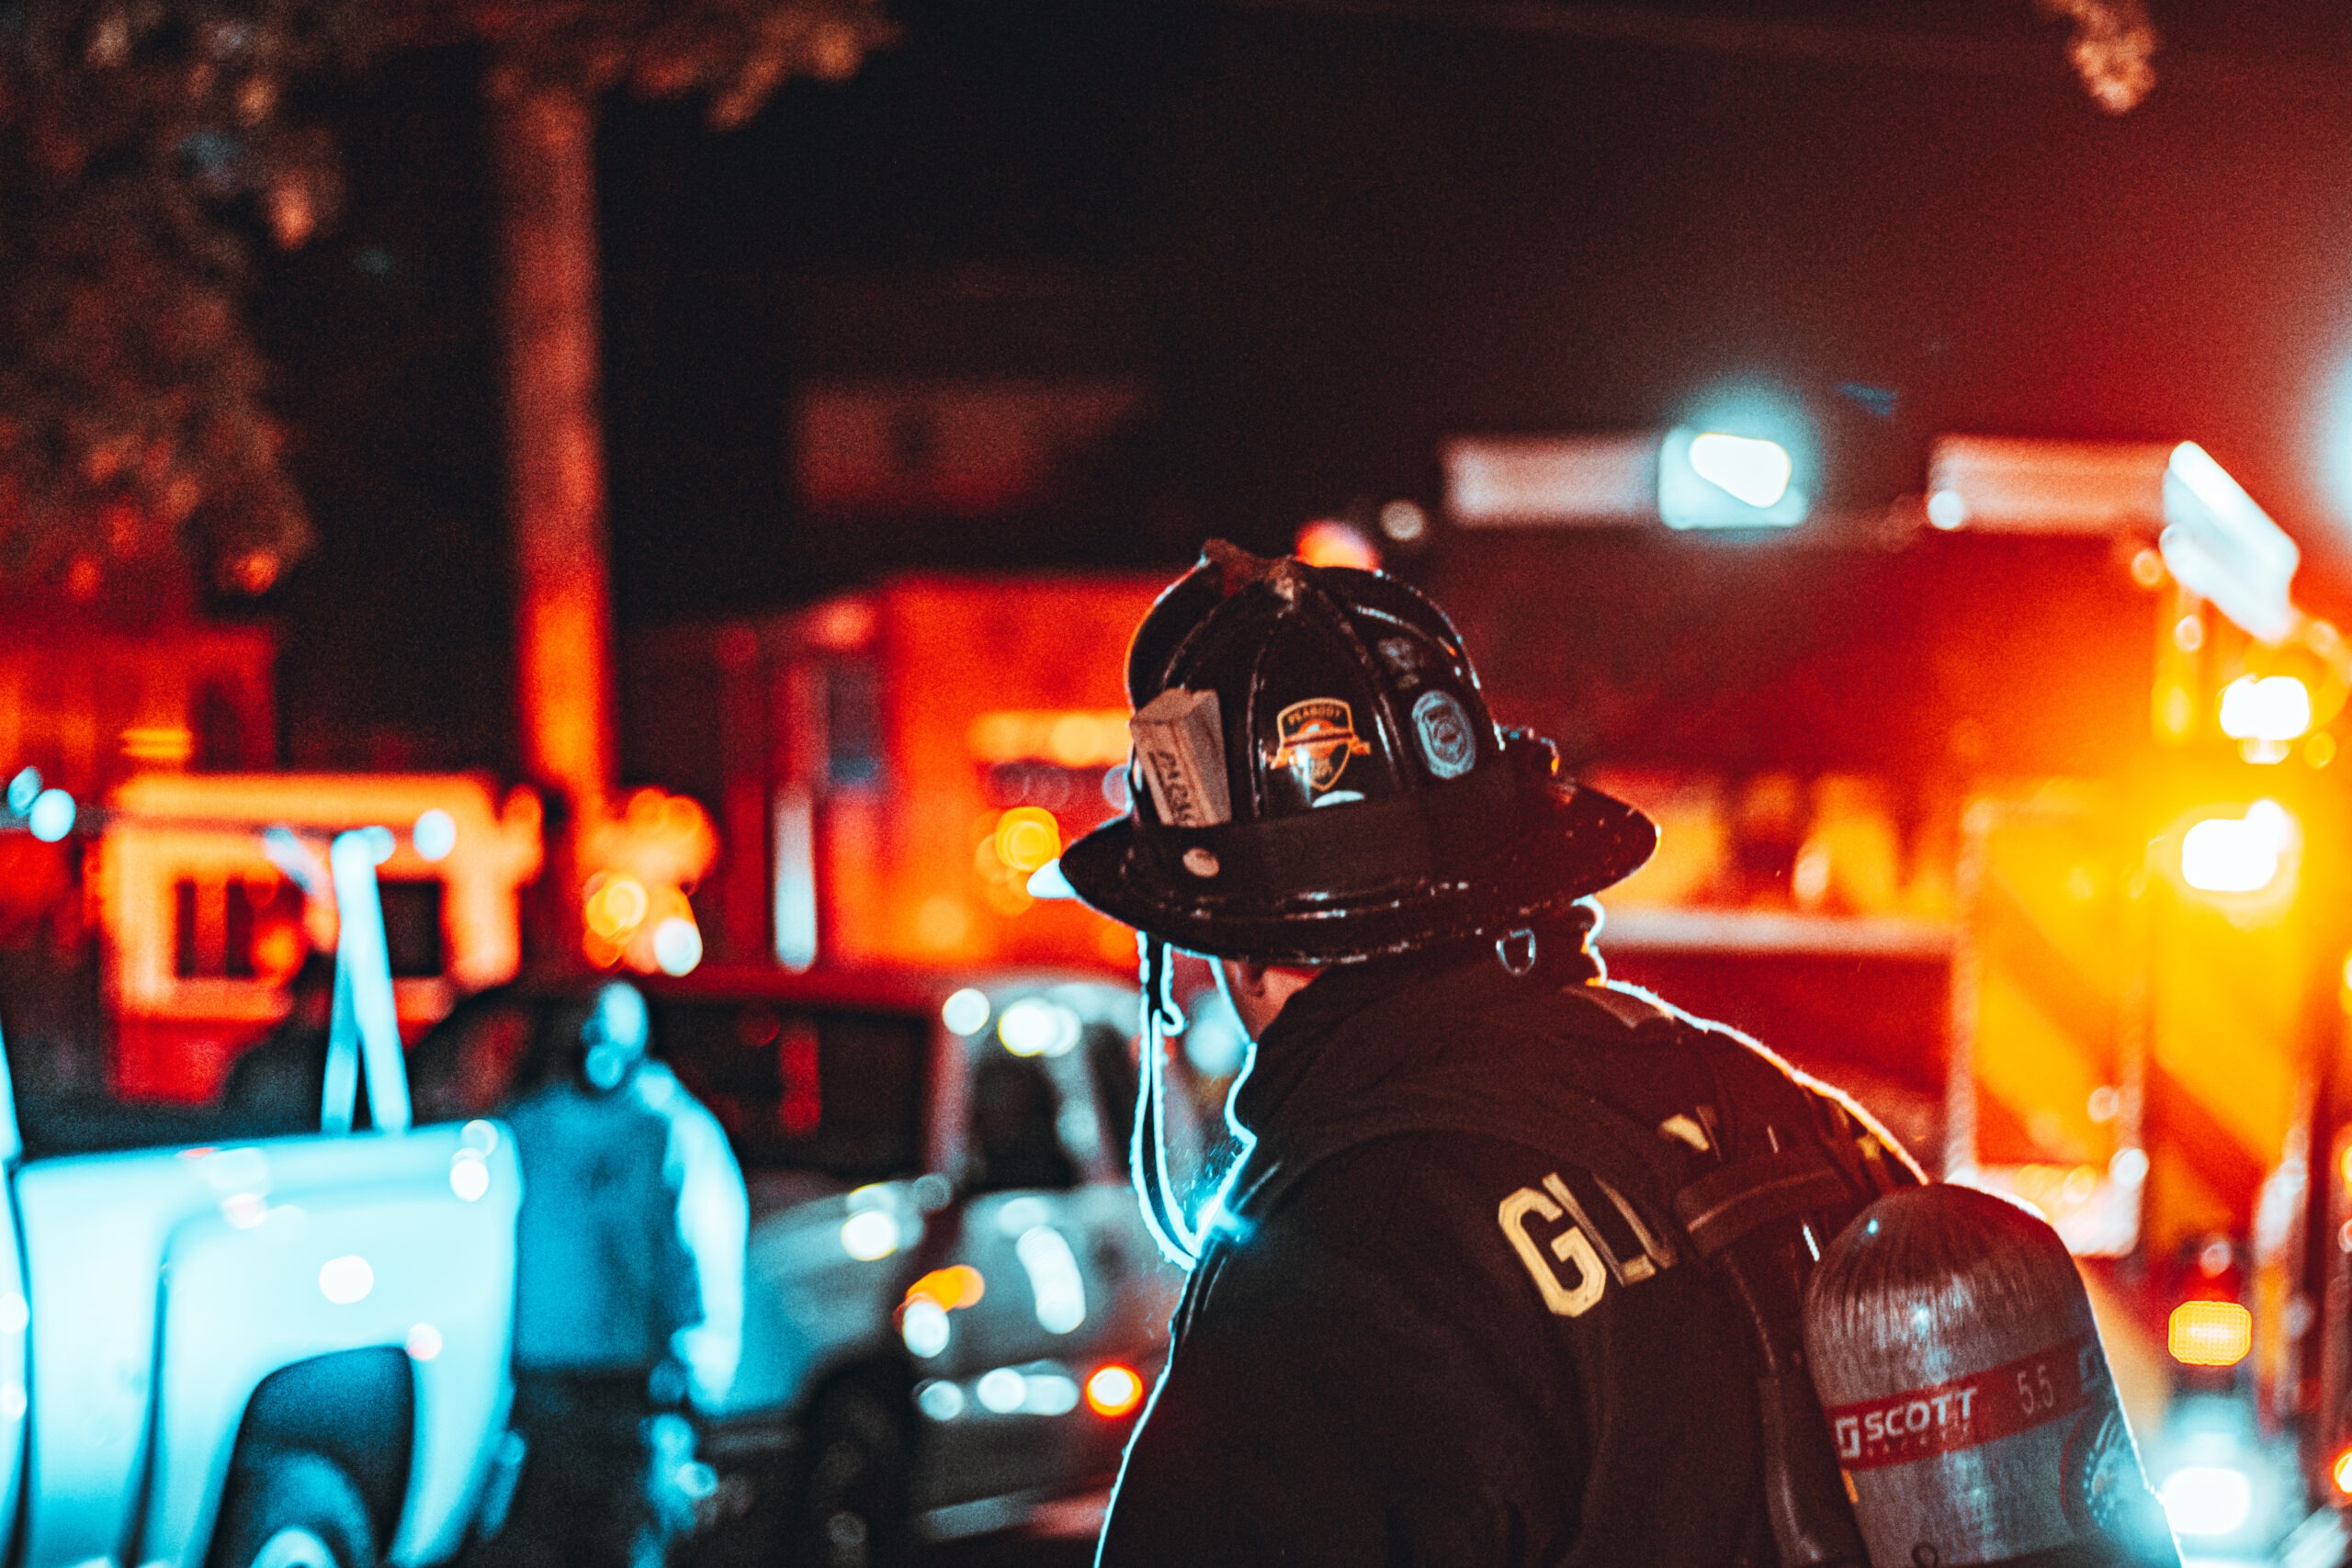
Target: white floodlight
x,y
1753,471
2271,707
2238,855
2220,544
1710,479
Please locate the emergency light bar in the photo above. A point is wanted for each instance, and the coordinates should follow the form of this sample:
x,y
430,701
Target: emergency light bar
x,y
1686,477
2005,484
1573,481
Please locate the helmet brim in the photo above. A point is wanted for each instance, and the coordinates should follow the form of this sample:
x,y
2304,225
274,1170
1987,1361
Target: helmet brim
x,y
1554,843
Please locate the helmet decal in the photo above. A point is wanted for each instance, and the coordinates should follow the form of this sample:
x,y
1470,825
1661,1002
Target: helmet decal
x,y
1315,737
1448,744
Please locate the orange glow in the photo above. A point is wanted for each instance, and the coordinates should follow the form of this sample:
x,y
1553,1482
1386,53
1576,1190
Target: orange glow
x,y
278,950
942,922
255,571
644,853
616,906
1071,738
959,1286
2341,1473
169,743
906,864
1113,1390
843,625
1330,543
2176,709
562,658
2209,1334
163,832
1027,837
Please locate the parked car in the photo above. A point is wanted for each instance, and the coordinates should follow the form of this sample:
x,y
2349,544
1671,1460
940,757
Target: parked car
x,y
954,1311
233,1352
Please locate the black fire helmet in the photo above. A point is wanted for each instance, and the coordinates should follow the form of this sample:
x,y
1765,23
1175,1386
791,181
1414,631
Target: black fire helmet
x,y
1375,808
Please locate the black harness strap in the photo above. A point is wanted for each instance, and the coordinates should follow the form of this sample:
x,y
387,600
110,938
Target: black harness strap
x,y
1736,1200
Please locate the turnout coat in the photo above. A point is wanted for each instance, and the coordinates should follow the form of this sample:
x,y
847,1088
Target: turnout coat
x,y
1457,1316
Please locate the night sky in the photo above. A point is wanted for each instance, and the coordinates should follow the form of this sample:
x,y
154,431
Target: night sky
x,y
1322,240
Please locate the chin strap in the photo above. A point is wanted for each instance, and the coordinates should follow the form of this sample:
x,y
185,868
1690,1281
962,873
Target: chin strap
x,y
1147,1154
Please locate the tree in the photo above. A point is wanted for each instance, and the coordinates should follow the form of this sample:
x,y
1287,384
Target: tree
x,y
144,148
147,145
549,66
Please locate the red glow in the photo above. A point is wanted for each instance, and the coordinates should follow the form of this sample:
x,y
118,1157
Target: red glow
x,y
802,1108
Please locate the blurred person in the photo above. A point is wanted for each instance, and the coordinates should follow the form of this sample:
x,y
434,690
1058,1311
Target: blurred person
x,y
603,1285
1446,1307
714,1211
279,1085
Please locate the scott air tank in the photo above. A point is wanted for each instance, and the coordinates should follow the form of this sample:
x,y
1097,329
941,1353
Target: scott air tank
x,y
1968,1395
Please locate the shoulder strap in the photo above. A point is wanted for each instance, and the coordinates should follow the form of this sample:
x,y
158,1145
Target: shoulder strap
x,y
1790,1146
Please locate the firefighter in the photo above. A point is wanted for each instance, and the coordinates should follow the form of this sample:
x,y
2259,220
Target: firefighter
x,y
1508,1268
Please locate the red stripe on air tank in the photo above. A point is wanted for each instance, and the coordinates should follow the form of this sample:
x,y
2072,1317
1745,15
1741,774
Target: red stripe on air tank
x,y
1966,1412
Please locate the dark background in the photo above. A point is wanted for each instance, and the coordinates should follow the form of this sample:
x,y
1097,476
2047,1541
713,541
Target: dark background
x,y
1322,239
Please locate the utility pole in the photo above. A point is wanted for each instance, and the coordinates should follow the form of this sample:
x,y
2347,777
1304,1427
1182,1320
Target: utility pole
x,y
617,871
542,135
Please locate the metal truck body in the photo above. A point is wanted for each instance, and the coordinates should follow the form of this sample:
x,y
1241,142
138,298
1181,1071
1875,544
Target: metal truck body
x,y
176,1316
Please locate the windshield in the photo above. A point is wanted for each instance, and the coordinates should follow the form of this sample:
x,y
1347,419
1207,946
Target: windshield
x,y
833,1092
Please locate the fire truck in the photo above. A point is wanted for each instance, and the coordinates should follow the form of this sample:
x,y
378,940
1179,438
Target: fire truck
x,y
206,893
2017,808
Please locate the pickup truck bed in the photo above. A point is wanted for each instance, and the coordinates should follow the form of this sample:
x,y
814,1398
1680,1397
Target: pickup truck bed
x,y
166,1285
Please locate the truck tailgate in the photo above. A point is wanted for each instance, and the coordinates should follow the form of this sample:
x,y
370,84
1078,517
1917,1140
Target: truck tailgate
x,y
166,1284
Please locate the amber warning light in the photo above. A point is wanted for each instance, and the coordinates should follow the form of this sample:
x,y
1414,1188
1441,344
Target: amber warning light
x,y
2209,1334
1113,1390
2341,1473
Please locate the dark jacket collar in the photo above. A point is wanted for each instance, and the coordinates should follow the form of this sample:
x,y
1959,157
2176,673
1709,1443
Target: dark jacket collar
x,y
1380,1046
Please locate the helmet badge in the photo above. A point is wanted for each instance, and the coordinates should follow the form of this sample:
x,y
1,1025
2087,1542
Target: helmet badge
x,y
1443,730
1314,740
